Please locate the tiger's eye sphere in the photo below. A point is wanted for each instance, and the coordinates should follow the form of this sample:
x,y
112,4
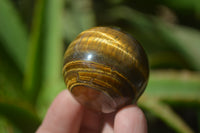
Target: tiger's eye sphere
x,y
105,69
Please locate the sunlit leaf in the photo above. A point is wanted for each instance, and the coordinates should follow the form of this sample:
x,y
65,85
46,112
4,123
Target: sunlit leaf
x,y
180,86
44,70
53,54
33,74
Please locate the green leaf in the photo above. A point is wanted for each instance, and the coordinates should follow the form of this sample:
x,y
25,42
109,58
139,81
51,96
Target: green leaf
x,y
33,73
174,86
13,34
187,42
153,32
6,126
53,81
44,70
20,114
10,77
165,113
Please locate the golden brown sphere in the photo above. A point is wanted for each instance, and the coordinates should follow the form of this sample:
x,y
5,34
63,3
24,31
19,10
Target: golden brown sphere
x,y
105,69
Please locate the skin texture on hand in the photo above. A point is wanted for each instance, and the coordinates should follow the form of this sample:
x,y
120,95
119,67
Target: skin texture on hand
x,y
66,115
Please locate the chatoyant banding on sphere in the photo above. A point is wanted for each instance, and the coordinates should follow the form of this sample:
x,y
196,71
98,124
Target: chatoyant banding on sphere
x,y
105,69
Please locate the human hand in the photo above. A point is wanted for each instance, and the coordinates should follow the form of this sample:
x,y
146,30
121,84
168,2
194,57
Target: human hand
x,y
66,115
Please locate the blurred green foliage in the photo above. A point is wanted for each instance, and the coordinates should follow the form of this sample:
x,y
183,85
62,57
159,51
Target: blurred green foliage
x,y
34,35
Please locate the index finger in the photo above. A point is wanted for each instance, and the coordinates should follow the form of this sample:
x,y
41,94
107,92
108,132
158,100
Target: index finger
x,y
63,116
130,119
